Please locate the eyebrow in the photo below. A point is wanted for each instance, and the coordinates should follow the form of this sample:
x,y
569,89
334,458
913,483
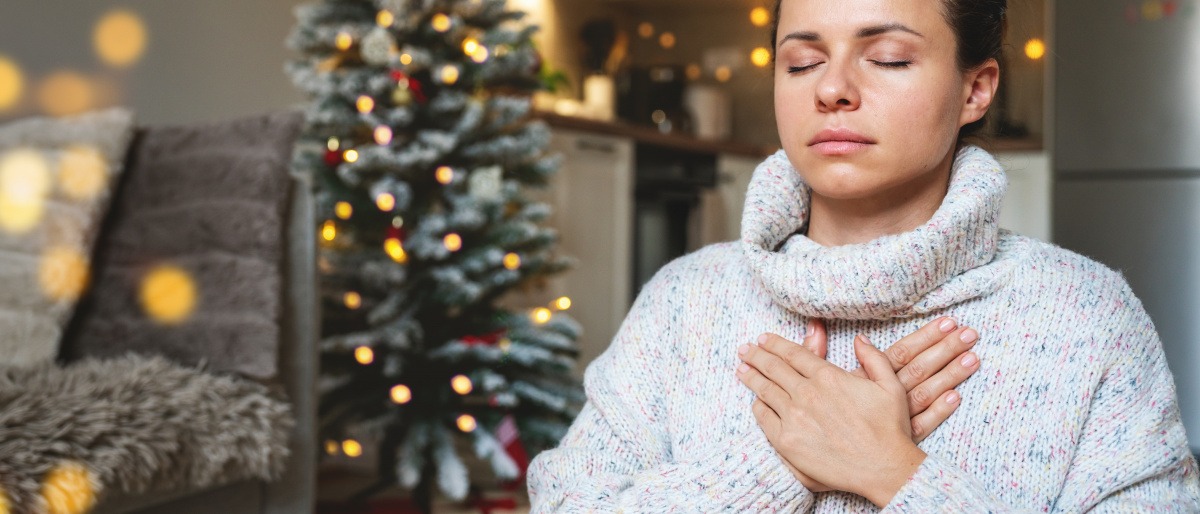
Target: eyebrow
x,y
864,32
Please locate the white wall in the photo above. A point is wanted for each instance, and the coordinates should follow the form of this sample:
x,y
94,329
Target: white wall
x,y
205,60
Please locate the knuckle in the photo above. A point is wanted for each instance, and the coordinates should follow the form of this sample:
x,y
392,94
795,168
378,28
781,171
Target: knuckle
x,y
772,367
918,428
916,371
920,397
899,354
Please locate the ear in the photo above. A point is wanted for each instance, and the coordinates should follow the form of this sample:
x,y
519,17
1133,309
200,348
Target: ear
x,y
979,88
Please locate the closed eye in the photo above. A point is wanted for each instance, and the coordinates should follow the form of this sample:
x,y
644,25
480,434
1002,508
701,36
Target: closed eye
x,y
893,64
802,69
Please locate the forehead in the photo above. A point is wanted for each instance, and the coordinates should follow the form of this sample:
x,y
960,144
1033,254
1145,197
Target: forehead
x,y
851,15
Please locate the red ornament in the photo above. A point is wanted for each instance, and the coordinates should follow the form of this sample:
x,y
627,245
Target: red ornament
x,y
508,436
397,233
489,339
414,87
333,157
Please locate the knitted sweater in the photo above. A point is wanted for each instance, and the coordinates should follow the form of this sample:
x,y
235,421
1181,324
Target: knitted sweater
x,y
1073,408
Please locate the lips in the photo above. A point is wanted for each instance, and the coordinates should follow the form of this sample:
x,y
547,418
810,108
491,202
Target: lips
x,y
839,142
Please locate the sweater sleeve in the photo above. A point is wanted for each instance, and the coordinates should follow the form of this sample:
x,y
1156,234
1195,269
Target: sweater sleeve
x,y
1132,454
618,455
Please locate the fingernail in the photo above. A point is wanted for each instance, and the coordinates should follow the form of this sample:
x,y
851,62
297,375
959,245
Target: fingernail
x,y
743,349
952,397
743,368
809,328
969,336
947,325
762,339
969,360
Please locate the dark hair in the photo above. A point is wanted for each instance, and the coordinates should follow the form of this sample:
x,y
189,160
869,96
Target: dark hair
x,y
978,27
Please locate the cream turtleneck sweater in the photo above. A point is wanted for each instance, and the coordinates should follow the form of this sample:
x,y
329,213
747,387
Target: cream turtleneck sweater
x,y
1073,408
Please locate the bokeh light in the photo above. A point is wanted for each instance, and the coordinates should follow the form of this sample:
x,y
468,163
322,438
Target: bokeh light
x,y
453,242
69,488
667,40
723,74
333,144
168,294
82,172
646,29
480,55
760,57
12,83
64,93
343,41
440,22
444,175
466,423
693,72
332,447
120,38
401,394
541,315
350,155
329,230
383,135
562,303
449,74
385,19
343,210
461,384
24,185
352,300
63,273
512,261
760,16
351,448
1035,49
395,250
385,201
364,355
365,104
470,45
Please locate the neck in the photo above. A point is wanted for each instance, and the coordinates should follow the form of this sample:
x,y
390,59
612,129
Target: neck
x,y
838,222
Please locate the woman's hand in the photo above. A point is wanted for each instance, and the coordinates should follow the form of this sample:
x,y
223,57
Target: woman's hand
x,y
930,363
851,433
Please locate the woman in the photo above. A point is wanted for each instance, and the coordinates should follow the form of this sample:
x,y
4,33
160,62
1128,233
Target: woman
x,y
877,219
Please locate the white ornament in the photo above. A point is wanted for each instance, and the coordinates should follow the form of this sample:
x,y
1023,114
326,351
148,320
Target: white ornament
x,y
485,183
378,47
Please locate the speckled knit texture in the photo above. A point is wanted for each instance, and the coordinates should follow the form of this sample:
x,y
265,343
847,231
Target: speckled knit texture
x,y
1073,408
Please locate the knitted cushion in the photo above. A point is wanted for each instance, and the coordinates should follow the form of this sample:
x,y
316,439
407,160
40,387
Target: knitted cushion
x,y
189,264
55,177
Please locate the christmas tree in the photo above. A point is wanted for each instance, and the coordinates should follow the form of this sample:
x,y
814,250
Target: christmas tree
x,y
420,142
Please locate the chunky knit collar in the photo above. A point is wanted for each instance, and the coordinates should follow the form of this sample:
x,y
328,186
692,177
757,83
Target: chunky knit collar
x,y
941,263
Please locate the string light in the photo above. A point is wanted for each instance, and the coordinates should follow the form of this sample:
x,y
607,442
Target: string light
x,y
449,74
562,303
541,315
1035,49
343,210
405,59
385,19
693,72
12,83
401,394
441,22
723,74
397,222
364,355
353,300
512,261
760,16
395,250
351,448
119,38
383,134
646,30
445,175
480,55
329,230
333,144
453,242
168,294
332,447
365,104
466,423
760,57
343,41
63,273
385,201
470,45
667,40
350,155
461,384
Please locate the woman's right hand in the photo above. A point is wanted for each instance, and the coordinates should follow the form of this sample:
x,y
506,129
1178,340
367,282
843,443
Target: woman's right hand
x,y
930,363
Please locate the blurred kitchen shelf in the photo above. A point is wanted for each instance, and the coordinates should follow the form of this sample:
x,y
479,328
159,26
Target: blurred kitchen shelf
x,y
650,136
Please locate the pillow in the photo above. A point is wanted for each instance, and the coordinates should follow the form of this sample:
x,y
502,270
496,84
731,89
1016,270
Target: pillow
x,y
189,265
55,180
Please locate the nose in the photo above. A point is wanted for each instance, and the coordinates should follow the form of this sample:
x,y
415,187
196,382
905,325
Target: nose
x,y
836,89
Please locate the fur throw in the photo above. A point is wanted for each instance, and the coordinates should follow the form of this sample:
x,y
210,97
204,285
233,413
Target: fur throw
x,y
136,424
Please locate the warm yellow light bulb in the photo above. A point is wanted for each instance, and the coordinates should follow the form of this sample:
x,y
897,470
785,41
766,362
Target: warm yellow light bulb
x,y
646,29
24,186
401,394
1035,49
470,45
350,155
440,22
395,250
760,57
343,41
405,59
332,447
63,273
168,294
449,74
385,201
329,230
364,355
351,448
365,104
693,72
466,423
343,210
667,40
723,74
562,303
541,315
352,299
453,242
512,261
12,83
444,174
333,144
69,488
385,18
65,93
461,384
760,16
480,55
119,38
383,135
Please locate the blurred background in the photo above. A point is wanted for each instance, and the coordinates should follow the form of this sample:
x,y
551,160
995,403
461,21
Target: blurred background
x,y
662,108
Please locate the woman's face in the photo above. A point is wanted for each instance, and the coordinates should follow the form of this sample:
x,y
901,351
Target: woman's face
x,y
868,94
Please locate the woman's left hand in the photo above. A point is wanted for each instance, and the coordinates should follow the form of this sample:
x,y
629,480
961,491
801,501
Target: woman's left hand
x,y
850,433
